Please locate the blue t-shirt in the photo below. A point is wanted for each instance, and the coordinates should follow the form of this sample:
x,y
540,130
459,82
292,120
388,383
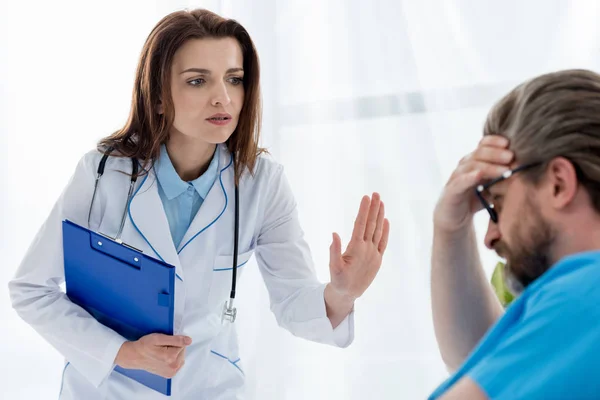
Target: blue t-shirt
x,y
547,344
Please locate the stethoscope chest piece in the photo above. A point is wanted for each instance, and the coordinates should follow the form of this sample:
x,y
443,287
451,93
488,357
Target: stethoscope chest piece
x,y
229,312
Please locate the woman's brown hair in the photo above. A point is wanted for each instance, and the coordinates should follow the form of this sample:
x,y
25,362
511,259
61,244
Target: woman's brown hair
x,y
146,129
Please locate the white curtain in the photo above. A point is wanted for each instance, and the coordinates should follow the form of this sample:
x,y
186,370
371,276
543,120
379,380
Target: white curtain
x,y
359,96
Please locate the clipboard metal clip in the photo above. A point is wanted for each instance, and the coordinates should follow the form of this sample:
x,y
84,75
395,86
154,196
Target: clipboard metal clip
x,y
119,241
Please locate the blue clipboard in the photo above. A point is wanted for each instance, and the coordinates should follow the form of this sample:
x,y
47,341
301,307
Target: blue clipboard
x,y
122,288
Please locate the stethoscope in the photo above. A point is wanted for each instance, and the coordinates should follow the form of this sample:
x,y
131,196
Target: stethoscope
x,y
229,311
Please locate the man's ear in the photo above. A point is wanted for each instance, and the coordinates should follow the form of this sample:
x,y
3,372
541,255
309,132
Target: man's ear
x,y
561,177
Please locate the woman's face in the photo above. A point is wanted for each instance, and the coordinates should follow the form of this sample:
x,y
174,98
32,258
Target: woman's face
x,y
207,89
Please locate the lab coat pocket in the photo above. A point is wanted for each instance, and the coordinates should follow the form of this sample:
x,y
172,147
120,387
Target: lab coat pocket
x,y
225,369
220,287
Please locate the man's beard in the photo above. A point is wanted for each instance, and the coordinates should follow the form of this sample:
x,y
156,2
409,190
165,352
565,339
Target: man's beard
x,y
529,257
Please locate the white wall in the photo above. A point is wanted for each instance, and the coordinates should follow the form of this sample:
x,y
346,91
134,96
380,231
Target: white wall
x,y
384,96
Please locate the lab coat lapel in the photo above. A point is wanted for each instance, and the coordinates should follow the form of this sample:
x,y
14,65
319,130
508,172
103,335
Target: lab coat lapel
x,y
147,215
219,198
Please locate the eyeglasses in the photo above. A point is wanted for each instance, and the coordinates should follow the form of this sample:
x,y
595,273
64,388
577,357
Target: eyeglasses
x,y
482,191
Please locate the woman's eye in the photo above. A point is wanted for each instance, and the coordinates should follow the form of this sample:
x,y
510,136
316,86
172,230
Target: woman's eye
x,y
236,80
197,82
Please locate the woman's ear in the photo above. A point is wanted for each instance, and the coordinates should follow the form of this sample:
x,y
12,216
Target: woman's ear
x,y
159,108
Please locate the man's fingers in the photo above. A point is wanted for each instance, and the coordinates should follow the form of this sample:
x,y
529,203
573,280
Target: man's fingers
x,y
486,170
464,182
494,140
493,155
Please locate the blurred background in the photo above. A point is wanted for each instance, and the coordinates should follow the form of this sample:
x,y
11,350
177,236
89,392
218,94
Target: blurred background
x,y
359,96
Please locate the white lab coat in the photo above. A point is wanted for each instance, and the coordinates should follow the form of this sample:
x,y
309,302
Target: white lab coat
x,y
269,229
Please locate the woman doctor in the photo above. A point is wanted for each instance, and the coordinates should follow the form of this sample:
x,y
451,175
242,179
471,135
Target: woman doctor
x,y
194,128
